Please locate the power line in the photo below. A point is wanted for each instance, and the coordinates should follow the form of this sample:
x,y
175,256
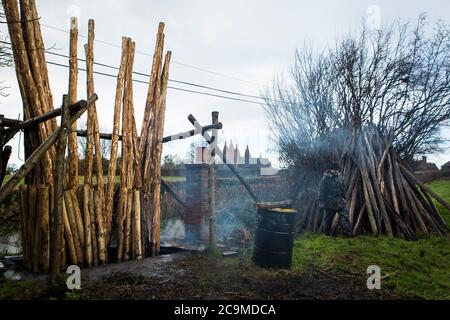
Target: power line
x,y
149,55
171,80
170,87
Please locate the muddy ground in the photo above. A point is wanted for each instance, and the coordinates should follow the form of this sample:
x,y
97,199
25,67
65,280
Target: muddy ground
x,y
204,276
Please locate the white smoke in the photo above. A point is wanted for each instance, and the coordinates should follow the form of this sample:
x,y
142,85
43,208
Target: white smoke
x,y
174,230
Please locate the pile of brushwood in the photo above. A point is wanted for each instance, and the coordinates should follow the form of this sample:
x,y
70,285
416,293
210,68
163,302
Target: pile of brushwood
x,y
383,194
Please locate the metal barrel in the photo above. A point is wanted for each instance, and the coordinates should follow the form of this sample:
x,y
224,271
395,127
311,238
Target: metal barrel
x,y
274,238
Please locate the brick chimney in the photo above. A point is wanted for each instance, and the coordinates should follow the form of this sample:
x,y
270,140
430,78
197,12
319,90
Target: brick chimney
x,y
196,212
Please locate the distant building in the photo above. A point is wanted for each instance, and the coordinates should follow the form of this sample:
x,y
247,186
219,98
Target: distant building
x,y
247,164
446,167
424,165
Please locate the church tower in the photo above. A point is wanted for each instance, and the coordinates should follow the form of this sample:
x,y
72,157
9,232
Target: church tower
x,y
247,155
224,153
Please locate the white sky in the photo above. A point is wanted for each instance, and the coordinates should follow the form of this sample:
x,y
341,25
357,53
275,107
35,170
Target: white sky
x,y
252,40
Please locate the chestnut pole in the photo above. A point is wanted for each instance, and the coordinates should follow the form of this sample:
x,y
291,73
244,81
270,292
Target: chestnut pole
x,y
35,157
207,136
73,78
57,225
212,177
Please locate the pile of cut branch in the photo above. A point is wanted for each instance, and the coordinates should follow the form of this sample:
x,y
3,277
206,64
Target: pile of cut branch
x,y
383,195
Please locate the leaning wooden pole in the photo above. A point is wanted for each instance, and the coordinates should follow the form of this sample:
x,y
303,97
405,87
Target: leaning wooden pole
x,y
147,136
157,150
36,156
57,226
73,78
115,139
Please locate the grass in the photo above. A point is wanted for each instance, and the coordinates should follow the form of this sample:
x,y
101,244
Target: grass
x,y
442,188
411,268
418,269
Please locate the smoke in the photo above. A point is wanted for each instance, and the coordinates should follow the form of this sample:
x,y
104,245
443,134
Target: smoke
x,y
174,230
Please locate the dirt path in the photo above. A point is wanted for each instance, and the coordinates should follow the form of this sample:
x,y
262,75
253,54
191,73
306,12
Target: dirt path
x,y
201,276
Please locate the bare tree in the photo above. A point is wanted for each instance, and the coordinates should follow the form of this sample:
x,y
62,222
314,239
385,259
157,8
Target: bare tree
x,y
105,145
397,79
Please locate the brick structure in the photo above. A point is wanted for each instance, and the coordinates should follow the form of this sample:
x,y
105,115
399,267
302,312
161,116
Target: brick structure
x,y
196,212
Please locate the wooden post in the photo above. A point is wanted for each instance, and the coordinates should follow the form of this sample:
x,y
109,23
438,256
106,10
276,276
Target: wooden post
x,y
147,135
44,232
157,150
24,221
137,224
212,183
93,228
69,235
87,226
93,141
115,138
59,172
73,225
73,78
99,226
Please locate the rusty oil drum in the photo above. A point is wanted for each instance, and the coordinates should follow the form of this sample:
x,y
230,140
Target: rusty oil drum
x,y
274,238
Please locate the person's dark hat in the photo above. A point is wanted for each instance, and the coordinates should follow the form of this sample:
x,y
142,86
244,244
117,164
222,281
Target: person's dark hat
x,y
334,166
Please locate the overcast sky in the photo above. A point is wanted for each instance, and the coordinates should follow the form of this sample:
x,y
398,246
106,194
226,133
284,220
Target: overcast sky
x,y
245,43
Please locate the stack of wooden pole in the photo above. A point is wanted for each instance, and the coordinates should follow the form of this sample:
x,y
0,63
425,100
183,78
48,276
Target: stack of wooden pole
x,y
383,195
35,220
92,194
31,71
150,147
129,212
63,222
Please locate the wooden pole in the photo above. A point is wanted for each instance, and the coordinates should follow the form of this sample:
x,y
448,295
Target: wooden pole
x,y
24,216
55,258
35,157
115,138
147,135
32,217
44,229
94,242
87,226
69,235
137,224
99,227
220,154
73,80
157,150
212,184
73,225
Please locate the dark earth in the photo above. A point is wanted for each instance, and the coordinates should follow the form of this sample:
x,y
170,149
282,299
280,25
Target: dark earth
x,y
203,276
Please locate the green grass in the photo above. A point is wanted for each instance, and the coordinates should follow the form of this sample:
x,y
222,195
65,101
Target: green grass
x,y
442,188
410,268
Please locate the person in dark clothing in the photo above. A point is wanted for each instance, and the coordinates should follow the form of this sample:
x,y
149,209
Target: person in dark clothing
x,y
332,199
